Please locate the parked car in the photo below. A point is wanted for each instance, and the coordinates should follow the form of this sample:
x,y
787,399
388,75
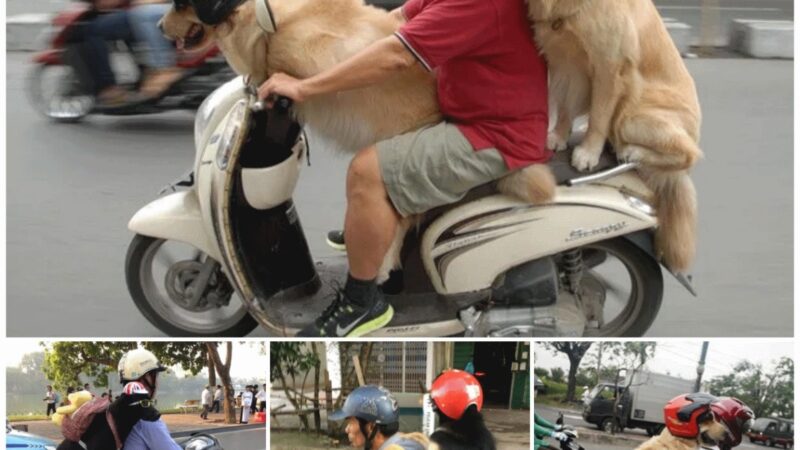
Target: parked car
x,y
17,440
539,386
772,431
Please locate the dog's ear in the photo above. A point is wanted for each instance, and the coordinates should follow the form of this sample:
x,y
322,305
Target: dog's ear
x,y
226,27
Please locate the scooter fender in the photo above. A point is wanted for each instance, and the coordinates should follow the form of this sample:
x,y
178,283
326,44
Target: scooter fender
x,y
469,246
175,217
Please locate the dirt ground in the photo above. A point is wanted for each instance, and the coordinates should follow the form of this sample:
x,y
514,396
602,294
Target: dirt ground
x,y
511,429
175,423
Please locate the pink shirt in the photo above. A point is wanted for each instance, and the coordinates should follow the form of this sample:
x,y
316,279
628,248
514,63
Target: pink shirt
x,y
491,79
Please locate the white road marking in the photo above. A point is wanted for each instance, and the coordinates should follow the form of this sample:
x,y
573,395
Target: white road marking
x,y
573,417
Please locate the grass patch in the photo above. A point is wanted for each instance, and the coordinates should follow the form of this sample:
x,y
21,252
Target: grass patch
x,y
555,394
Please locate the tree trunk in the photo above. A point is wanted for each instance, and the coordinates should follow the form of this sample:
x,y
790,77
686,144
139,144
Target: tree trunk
x,y
573,371
224,371
317,417
212,372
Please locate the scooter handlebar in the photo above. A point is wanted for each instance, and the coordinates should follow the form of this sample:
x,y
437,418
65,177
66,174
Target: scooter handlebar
x,y
279,103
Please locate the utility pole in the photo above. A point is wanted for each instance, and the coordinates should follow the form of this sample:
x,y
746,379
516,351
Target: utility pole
x,y
599,360
701,366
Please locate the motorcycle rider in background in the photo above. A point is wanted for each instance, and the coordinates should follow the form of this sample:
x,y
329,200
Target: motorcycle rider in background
x,y
135,24
543,429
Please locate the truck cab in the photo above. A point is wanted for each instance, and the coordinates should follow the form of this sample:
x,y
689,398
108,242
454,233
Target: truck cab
x,y
598,409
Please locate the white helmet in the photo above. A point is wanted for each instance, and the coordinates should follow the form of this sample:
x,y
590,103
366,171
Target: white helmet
x,y
136,364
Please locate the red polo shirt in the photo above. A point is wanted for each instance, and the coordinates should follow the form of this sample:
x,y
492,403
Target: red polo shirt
x,y
491,79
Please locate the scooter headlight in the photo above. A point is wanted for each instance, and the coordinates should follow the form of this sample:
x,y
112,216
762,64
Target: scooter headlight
x,y
199,443
231,134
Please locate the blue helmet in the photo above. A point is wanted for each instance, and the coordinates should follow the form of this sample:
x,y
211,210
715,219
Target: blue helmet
x,y
370,403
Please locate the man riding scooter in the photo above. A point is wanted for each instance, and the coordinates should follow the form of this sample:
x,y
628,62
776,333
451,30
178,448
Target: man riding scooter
x,y
485,137
543,429
373,421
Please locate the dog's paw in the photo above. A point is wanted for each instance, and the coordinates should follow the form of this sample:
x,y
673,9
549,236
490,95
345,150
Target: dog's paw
x,y
555,142
631,154
585,159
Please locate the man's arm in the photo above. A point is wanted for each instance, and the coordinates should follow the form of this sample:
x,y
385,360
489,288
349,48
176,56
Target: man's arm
x,y
372,65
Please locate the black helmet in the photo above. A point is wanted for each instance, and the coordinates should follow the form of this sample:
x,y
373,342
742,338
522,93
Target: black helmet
x,y
371,403
210,12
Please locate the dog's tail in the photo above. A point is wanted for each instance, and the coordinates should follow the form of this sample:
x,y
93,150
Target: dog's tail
x,y
534,184
676,202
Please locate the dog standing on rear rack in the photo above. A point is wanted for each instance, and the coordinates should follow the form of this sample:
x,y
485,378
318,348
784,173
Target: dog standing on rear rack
x,y
311,36
616,61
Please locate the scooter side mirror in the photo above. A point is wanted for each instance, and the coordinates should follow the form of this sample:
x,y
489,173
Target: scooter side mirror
x,y
560,419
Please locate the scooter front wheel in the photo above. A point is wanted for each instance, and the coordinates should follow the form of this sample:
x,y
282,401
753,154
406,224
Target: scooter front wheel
x,y
161,275
54,91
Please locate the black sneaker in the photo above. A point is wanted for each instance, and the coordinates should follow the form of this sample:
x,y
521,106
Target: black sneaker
x,y
344,318
336,240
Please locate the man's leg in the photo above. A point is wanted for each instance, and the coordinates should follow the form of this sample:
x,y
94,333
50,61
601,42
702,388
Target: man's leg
x,y
107,27
371,222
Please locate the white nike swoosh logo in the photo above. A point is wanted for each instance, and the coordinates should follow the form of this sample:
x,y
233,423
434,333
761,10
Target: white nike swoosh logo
x,y
343,331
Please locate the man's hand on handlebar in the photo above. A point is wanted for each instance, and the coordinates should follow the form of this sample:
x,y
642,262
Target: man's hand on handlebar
x,y
283,85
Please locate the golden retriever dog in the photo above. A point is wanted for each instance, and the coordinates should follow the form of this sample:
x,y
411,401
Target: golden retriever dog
x,y
314,35
711,432
615,61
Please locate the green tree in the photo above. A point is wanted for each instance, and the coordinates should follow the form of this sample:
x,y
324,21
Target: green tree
x,y
557,374
767,392
575,352
540,372
291,361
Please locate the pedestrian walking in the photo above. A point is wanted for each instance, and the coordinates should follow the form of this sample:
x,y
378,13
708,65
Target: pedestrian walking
x,y
205,402
247,401
51,398
217,399
262,398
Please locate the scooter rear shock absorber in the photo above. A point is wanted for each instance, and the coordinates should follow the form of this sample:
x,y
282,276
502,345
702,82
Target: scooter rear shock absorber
x,y
573,268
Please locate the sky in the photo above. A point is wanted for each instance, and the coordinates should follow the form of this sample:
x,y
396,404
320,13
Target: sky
x,y
679,358
247,362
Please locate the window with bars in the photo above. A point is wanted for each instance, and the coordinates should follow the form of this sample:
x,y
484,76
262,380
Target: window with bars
x,y
398,366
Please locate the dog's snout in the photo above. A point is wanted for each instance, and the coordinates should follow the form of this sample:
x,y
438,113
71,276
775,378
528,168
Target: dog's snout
x,y
160,25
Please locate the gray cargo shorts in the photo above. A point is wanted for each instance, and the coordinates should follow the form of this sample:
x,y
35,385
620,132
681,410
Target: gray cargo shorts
x,y
434,166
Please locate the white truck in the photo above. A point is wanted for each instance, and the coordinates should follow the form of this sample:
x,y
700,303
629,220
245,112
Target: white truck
x,y
641,401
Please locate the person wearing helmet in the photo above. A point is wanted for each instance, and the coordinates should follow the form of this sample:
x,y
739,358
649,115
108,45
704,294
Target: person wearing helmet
x,y
709,420
373,421
138,372
543,429
457,398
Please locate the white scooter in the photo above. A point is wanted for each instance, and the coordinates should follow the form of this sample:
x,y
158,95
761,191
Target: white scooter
x,y
489,265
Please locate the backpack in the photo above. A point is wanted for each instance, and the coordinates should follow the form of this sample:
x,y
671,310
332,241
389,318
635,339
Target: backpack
x,y
75,425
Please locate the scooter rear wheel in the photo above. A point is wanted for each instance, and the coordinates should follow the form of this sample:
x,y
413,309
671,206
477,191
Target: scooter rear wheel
x,y
52,90
147,285
639,302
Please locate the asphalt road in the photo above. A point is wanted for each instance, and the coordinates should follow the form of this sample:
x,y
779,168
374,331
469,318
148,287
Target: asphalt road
x,y
573,418
73,188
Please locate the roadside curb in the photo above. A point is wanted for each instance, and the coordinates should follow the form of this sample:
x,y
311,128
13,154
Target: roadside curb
x,y
23,31
763,39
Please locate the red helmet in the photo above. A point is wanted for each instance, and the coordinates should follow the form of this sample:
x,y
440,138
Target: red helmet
x,y
684,413
736,416
454,390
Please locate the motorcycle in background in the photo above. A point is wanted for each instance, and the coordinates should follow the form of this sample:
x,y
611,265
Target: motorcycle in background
x,y
61,86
